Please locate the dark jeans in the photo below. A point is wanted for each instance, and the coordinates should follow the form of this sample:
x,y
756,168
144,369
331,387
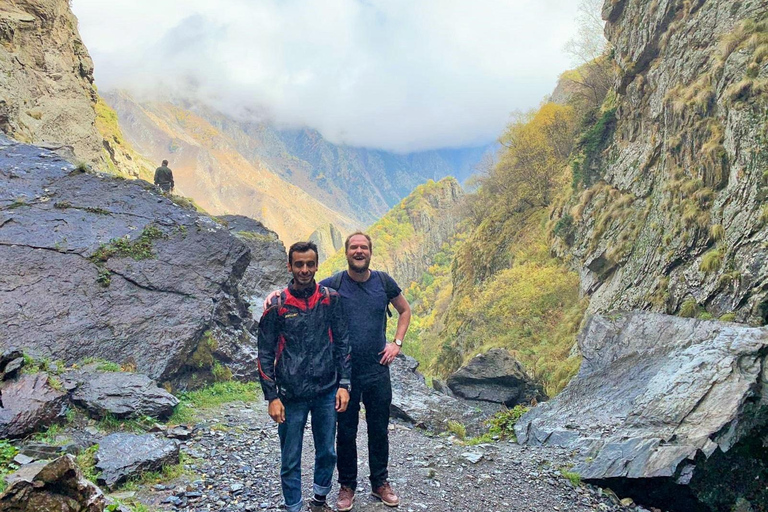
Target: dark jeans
x,y
376,394
291,434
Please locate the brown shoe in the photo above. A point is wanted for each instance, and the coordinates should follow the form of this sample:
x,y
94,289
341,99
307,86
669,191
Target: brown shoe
x,y
387,496
346,498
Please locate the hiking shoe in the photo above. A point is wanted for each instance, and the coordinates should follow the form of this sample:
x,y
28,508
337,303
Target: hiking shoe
x,y
387,496
346,498
319,508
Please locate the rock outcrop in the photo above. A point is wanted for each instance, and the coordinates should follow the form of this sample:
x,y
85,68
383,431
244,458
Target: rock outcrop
x,y
495,376
28,404
267,271
49,486
95,266
46,85
47,95
121,456
673,217
413,401
663,409
328,240
119,394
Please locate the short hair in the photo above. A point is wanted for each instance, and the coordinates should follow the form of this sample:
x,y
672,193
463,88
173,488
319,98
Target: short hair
x,y
165,162
356,233
302,247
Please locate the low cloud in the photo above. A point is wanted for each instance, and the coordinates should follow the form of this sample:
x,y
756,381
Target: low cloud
x,y
401,75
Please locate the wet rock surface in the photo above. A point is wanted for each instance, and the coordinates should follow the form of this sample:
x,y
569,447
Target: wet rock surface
x,y
121,456
94,266
663,409
29,403
235,455
495,376
121,394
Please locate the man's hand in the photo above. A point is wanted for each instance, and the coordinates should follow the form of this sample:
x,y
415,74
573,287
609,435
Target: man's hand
x,y
389,354
269,298
277,411
342,399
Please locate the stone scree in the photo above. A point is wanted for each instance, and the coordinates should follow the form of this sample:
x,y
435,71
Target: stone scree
x,y
669,411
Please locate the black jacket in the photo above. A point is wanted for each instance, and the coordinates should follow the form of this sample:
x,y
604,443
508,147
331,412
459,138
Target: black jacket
x,y
303,344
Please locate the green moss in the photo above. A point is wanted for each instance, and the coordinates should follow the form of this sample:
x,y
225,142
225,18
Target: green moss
x,y
202,357
728,317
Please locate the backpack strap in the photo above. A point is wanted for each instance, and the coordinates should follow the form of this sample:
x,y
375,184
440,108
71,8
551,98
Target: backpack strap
x,y
336,280
387,288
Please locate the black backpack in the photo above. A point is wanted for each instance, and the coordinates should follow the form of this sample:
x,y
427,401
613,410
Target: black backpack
x,y
335,282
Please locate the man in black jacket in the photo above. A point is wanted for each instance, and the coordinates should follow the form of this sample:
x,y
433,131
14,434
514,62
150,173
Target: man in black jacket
x,y
304,366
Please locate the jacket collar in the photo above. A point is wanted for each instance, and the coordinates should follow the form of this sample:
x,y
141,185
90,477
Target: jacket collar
x,y
304,293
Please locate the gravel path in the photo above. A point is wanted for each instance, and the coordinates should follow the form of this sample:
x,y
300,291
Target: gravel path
x,y
236,458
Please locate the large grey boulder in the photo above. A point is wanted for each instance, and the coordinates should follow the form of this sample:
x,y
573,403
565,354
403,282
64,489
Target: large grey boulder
x,y
120,394
413,401
52,486
496,377
29,403
169,277
122,455
668,410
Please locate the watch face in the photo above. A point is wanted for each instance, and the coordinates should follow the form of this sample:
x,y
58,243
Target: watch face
x,y
399,343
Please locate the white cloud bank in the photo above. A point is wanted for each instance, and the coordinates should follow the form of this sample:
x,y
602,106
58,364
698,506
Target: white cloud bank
x,y
401,75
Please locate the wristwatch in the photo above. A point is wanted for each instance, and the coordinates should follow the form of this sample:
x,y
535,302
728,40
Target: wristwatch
x,y
348,387
398,342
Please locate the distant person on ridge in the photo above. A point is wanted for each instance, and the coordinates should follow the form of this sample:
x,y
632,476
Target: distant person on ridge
x,y
164,178
366,295
304,366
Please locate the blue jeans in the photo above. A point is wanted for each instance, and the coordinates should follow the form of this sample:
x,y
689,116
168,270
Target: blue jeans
x,y
291,432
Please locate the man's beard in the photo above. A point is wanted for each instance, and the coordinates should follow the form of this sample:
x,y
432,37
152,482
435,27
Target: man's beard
x,y
354,265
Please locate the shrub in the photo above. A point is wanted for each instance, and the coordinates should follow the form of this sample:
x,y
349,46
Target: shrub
x,y
502,424
572,477
716,232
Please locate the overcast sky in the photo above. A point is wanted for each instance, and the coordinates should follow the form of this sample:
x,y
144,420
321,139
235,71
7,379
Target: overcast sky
x,y
401,75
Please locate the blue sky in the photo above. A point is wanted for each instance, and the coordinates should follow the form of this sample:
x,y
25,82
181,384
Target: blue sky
x,y
400,75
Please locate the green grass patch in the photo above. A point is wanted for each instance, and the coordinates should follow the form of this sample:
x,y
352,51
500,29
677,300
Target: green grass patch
x,y
689,309
213,396
86,460
7,453
138,249
458,429
108,366
711,261
571,476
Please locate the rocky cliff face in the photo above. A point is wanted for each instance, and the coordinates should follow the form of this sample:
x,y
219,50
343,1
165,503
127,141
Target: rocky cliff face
x,y
47,94
46,85
672,217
